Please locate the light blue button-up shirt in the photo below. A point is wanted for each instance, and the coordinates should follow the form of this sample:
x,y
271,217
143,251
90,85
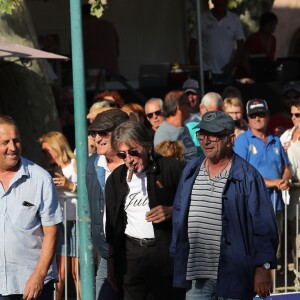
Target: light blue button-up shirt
x,y
30,202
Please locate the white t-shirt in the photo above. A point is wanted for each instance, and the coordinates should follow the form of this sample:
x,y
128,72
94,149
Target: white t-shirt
x,y
136,207
218,39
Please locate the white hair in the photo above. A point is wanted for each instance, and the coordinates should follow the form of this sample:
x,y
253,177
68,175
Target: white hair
x,y
212,98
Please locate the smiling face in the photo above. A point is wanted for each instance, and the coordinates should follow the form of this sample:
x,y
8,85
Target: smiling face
x,y
10,147
138,163
103,144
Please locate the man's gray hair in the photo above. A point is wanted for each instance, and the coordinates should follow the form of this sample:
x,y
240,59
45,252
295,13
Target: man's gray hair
x,y
155,100
212,98
131,133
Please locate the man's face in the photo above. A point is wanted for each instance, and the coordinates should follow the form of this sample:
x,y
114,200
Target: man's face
x,y
258,121
194,100
235,112
295,115
135,157
214,145
103,142
10,147
154,114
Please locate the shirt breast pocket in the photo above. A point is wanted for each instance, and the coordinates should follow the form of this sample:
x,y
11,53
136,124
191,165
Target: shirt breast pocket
x,y
26,217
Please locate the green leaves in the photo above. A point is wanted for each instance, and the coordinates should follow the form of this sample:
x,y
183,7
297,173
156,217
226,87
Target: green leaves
x,y
98,7
7,6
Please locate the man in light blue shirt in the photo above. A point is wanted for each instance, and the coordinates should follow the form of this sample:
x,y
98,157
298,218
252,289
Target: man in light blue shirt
x,y
29,214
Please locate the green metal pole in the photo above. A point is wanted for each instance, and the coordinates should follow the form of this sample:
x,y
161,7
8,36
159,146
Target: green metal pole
x,y
84,220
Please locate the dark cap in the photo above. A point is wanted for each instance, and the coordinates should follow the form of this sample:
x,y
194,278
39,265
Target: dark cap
x,y
291,86
109,120
256,106
191,85
216,121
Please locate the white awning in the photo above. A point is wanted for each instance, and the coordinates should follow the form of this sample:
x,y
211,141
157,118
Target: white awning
x,y
9,49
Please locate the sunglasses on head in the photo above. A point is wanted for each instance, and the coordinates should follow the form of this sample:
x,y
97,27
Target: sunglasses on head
x,y
157,113
260,115
102,133
297,115
131,152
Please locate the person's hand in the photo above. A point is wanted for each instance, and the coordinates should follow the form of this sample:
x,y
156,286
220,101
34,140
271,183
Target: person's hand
x,y
61,181
33,287
282,184
263,282
159,214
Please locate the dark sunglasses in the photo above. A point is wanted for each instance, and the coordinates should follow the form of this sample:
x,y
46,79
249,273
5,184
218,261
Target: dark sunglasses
x,y
131,152
297,115
102,133
157,113
260,115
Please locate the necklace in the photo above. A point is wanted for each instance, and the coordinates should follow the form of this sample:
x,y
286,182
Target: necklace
x,y
216,178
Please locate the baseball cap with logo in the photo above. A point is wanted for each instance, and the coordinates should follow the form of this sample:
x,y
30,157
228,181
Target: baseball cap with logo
x,y
256,106
216,121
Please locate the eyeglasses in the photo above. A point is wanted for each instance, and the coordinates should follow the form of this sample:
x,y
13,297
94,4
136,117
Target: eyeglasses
x,y
131,152
211,138
297,115
260,115
101,133
157,113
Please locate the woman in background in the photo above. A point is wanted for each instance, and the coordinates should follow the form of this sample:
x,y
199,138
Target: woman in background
x,y
59,154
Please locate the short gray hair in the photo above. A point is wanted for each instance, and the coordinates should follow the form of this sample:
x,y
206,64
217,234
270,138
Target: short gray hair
x,y
155,100
172,100
212,98
131,133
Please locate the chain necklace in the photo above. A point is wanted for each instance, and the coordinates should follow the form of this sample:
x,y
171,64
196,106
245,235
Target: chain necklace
x,y
217,178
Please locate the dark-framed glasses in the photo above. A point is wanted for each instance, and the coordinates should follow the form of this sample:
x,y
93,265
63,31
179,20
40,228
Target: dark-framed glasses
x,y
296,115
211,138
260,115
101,133
131,152
157,113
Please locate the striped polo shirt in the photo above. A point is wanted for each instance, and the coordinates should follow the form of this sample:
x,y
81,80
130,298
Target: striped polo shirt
x,y
205,225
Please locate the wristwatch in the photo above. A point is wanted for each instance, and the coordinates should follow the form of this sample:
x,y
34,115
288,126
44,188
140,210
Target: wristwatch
x,y
266,265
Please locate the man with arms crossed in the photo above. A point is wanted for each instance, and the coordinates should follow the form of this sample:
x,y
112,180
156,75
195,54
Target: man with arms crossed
x,y
29,214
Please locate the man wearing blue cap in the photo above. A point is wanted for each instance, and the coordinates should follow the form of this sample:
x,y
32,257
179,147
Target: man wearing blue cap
x,y
224,229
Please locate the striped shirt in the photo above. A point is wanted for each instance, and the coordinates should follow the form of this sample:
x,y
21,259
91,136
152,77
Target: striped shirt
x,y
205,225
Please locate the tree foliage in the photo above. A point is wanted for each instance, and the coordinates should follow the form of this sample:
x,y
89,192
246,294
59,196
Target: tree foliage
x,y
98,7
7,6
250,11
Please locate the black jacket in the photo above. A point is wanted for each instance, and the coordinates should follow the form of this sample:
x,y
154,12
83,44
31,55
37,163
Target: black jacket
x,y
165,170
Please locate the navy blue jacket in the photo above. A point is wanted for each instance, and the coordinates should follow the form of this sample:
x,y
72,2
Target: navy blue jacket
x,y
249,231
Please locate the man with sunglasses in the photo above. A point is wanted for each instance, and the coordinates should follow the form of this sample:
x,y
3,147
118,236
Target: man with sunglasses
x,y
265,152
139,198
224,230
154,113
99,167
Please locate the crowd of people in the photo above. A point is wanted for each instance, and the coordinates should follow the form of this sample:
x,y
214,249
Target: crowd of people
x,y
186,194
186,198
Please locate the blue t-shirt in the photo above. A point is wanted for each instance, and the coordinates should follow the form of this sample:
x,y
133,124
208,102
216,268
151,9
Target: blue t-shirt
x,y
269,159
